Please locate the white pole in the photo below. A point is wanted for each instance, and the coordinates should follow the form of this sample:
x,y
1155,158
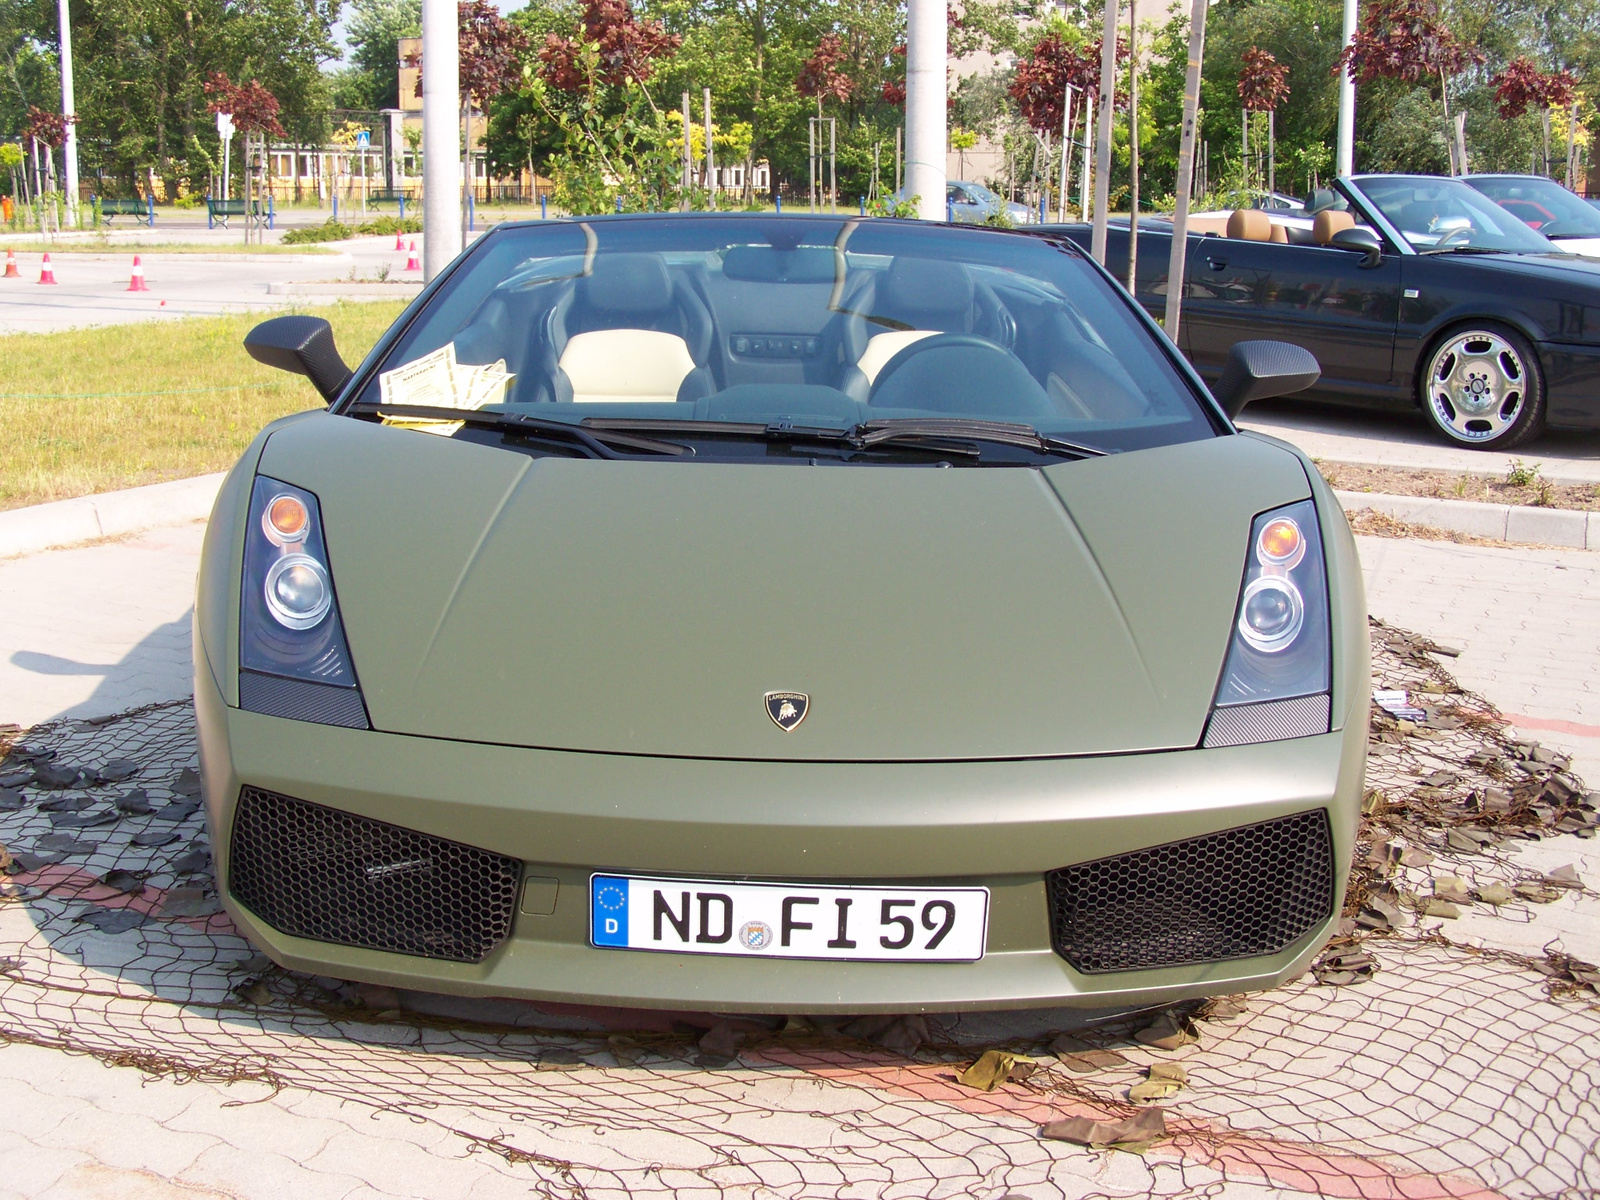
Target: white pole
x,y
1066,149
927,47
711,156
1347,100
1177,262
1102,153
69,149
441,136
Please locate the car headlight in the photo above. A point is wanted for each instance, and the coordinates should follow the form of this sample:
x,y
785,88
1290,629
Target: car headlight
x,y
293,658
1275,682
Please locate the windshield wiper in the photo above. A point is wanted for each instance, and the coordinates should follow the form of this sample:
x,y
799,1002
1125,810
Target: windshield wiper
x,y
784,431
598,442
1006,433
1476,250
944,435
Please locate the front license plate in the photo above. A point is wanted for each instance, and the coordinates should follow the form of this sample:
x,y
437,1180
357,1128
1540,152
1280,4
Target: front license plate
x,y
788,920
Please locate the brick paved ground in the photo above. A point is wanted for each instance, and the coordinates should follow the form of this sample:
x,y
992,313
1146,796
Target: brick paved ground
x,y
1451,1075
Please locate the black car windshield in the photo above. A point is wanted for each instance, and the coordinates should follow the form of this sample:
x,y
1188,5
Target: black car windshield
x,y
762,321
1445,214
1540,204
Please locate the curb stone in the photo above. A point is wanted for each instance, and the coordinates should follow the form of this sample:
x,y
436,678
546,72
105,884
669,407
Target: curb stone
x,y
1504,522
108,514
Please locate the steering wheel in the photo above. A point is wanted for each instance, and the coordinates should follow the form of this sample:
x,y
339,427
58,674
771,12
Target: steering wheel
x,y
1462,234
962,374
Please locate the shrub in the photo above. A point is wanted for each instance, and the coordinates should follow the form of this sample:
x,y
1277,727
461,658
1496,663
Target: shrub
x,y
389,226
329,231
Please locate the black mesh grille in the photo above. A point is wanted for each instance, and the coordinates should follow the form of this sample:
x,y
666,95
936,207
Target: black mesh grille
x,y
320,873
1235,894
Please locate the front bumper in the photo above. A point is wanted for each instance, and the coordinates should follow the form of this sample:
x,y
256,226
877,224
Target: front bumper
x,y
998,824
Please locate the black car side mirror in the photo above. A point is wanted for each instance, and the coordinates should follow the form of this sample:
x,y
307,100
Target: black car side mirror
x,y
303,345
1260,370
1362,240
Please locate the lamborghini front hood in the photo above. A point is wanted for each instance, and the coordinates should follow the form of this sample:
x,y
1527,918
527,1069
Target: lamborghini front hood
x,y
915,613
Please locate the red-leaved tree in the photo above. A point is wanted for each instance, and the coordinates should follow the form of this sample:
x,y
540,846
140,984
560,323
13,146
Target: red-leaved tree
x,y
47,128
823,75
1521,86
1263,81
254,108
627,47
1039,86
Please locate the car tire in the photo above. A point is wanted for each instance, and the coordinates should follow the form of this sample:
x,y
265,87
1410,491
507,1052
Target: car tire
x,y
1481,387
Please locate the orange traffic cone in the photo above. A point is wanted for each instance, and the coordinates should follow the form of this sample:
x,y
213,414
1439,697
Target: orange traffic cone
x,y
47,273
137,283
11,266
411,261
399,243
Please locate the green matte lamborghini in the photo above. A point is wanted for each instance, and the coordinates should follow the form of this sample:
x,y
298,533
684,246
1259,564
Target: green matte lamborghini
x,y
780,614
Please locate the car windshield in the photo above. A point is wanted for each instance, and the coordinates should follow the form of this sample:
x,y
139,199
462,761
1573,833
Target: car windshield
x,y
1541,204
978,192
678,325
1445,214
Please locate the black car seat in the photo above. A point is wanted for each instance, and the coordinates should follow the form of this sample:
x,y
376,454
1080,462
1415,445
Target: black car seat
x,y
628,332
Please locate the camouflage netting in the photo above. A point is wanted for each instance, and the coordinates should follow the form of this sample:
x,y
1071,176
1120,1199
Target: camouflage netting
x,y
1404,1065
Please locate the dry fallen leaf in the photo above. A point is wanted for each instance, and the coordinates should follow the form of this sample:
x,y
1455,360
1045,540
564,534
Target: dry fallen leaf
x,y
1088,1061
1440,908
1135,1133
1452,889
995,1067
1495,894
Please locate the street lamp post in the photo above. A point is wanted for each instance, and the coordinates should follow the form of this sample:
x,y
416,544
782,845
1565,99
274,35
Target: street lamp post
x,y
69,149
927,48
441,136
1347,100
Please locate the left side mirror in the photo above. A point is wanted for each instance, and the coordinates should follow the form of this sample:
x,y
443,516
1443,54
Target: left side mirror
x,y
1361,240
304,346
1261,370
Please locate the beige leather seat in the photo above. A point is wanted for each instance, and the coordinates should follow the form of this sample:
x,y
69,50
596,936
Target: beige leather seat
x,y
608,366
1250,225
881,347
1329,222
629,335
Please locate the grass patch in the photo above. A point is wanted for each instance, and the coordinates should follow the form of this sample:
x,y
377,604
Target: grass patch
x,y
93,410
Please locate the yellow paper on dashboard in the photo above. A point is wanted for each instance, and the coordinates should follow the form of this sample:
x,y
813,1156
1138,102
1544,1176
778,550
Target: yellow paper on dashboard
x,y
439,380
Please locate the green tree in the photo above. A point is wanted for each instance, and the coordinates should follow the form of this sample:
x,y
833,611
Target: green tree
x,y
374,32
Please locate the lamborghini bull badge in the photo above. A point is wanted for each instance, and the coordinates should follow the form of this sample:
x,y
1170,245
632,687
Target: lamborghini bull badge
x,y
787,709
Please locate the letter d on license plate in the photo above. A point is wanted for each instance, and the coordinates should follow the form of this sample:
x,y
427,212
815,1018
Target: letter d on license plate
x,y
782,920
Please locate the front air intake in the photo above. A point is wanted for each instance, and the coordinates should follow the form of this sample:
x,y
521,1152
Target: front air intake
x,y
1240,893
320,873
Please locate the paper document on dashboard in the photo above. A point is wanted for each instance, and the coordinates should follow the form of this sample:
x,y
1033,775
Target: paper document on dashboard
x,y
437,380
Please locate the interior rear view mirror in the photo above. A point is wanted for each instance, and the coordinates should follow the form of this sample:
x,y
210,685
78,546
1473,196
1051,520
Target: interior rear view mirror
x,y
1362,240
1259,370
304,346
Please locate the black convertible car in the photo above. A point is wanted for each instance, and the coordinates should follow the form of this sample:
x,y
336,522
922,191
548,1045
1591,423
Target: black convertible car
x,y
1409,289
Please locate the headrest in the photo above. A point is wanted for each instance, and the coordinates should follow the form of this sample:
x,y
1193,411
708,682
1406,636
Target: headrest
x,y
628,283
1329,222
926,285
1250,225
1279,234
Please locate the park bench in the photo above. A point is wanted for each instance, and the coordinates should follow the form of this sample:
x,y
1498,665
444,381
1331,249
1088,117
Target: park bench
x,y
388,196
219,211
142,210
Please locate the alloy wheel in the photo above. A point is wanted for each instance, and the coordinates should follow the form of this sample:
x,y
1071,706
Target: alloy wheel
x,y
1477,386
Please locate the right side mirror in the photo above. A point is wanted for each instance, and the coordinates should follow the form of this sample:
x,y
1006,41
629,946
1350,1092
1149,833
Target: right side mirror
x,y
303,345
1259,370
1364,241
